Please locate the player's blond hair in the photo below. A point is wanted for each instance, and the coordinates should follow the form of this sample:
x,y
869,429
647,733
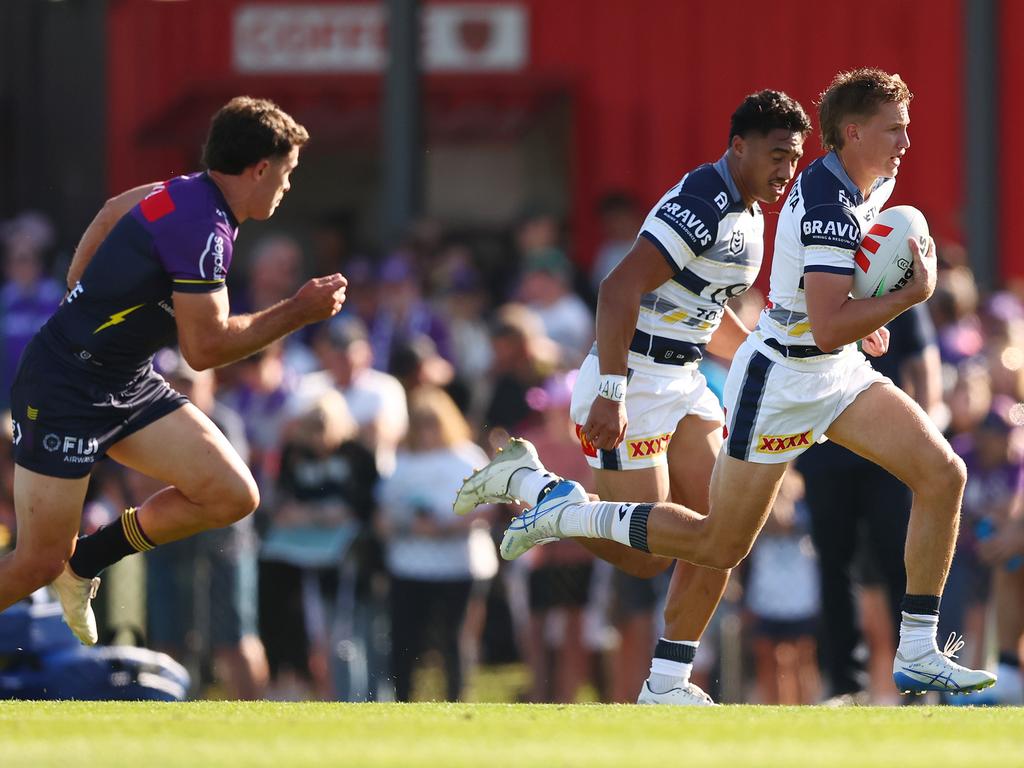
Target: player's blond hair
x,y
858,93
433,405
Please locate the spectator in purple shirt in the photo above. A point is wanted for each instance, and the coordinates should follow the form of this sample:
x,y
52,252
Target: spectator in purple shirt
x,y
27,297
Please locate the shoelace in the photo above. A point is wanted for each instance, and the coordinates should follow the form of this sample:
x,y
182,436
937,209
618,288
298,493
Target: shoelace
x,y
94,587
953,645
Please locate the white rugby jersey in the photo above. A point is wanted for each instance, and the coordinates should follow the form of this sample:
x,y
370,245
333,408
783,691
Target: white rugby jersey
x,y
820,229
713,244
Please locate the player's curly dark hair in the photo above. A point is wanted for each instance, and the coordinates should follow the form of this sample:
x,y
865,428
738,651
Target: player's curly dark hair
x,y
247,130
766,111
857,93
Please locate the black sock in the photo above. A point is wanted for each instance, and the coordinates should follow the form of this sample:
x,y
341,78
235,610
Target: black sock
x,y
920,605
109,544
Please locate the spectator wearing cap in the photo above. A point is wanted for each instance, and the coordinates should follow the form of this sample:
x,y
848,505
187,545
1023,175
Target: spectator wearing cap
x,y
402,313
463,300
376,399
546,289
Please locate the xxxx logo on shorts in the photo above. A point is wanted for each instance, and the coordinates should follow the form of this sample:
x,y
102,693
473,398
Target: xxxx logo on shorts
x,y
783,443
588,447
648,446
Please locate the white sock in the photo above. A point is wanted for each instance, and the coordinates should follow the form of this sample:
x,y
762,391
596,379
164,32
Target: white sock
x,y
669,673
621,522
586,520
917,635
527,484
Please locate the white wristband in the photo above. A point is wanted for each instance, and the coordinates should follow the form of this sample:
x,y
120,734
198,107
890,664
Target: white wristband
x,y
612,387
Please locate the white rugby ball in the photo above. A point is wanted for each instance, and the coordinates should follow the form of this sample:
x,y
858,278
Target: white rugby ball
x,y
884,262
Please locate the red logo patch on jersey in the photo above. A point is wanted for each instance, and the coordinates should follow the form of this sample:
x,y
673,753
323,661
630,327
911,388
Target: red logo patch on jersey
x,y
157,205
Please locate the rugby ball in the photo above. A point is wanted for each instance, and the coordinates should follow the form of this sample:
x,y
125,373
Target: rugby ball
x,y
884,262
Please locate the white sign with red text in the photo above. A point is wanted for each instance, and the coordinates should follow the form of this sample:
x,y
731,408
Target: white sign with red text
x,y
352,38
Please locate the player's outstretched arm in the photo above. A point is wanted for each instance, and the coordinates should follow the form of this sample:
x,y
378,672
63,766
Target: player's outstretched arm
x,y
209,336
100,227
836,319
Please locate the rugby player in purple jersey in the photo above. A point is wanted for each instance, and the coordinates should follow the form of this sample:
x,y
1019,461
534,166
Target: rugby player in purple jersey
x,y
149,271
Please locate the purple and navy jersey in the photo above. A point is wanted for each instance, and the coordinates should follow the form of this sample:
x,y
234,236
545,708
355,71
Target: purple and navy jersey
x,y
178,239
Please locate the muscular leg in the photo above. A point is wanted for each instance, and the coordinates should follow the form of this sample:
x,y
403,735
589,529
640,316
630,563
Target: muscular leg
x,y
48,512
636,629
742,494
647,484
694,592
209,484
885,426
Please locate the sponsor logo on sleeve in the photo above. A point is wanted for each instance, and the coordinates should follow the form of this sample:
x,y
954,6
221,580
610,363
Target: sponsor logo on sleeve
x,y
688,224
783,443
215,251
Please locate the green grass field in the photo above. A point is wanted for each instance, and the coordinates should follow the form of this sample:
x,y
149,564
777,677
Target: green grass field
x,y
109,734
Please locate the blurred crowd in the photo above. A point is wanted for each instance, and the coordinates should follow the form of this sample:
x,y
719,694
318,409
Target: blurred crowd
x,y
355,580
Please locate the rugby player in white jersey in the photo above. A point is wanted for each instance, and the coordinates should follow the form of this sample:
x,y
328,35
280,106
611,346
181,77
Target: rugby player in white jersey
x,y
799,378
647,422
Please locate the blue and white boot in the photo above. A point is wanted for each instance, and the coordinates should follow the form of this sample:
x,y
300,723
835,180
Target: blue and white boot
x,y
936,671
539,524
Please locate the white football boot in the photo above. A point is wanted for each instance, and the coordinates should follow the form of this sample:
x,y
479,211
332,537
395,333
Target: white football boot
x,y
75,595
489,484
688,695
539,524
936,671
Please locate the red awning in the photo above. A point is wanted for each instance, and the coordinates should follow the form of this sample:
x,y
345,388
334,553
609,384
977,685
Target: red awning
x,y
346,110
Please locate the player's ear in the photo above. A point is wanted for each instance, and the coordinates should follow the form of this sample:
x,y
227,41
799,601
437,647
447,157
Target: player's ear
x,y
259,168
852,132
738,145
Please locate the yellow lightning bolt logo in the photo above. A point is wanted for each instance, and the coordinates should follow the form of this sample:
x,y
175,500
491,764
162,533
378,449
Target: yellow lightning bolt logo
x,y
118,317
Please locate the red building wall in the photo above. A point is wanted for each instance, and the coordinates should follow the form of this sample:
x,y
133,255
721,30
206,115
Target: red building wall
x,y
1010,156
653,84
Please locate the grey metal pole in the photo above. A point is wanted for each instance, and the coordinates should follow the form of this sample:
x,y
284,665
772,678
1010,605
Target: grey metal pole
x,y
402,135
981,126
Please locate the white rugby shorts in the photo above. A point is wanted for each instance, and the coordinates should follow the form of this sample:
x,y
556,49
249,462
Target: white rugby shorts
x,y
777,407
654,406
